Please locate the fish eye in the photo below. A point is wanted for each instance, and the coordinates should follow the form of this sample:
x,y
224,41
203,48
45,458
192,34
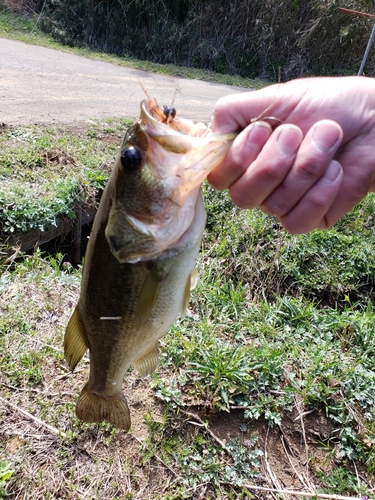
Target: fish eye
x,y
131,158
169,111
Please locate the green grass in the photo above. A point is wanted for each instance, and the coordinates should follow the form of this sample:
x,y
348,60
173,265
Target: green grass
x,y
46,172
5,475
72,171
278,325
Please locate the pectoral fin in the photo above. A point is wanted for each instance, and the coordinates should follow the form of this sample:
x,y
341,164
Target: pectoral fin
x,y
75,341
148,363
193,278
149,294
190,284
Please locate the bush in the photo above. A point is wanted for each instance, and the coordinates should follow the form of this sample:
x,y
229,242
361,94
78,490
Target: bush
x,y
271,39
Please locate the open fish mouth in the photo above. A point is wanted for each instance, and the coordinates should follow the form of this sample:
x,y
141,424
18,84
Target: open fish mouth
x,y
199,149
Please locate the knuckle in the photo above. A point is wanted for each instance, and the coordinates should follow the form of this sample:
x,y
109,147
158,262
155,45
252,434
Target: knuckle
x,y
311,169
239,199
275,173
272,208
242,198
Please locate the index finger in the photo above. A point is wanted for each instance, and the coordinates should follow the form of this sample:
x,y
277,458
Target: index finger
x,y
233,113
241,154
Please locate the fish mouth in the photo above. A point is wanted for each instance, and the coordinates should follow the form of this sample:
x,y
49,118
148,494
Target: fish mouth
x,y
199,150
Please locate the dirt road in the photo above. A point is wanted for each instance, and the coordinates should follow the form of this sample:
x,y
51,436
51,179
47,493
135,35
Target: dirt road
x,y
39,85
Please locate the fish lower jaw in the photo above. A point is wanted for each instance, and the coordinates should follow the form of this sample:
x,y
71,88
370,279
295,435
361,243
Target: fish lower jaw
x,y
157,250
124,256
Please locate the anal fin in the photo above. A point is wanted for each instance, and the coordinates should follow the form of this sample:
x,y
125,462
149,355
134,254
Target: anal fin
x,y
94,408
75,343
148,363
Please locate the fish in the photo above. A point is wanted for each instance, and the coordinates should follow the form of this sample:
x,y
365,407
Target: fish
x,y
140,261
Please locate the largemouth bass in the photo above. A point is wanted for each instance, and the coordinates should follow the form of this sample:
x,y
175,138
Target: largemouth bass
x,y
139,265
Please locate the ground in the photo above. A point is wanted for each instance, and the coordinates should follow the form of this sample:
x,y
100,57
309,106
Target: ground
x,y
97,461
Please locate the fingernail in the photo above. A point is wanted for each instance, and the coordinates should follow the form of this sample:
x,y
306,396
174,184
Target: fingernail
x,y
258,135
332,172
325,137
259,128
289,140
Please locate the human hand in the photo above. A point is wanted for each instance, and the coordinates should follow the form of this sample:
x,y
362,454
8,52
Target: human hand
x,y
316,165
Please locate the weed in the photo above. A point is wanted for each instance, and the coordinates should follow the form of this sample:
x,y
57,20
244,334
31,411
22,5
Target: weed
x,y
167,391
5,474
267,40
340,482
225,370
27,29
205,463
47,174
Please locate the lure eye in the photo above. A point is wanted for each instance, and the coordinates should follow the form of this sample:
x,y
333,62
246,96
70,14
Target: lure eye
x,y
131,158
169,111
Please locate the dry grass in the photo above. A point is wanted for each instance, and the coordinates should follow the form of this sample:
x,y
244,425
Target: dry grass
x,y
92,462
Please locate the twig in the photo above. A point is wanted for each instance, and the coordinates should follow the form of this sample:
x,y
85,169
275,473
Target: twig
x,y
194,488
300,477
298,406
20,388
38,391
212,434
356,12
286,442
274,480
53,430
298,493
10,260
47,345
301,415
356,473
37,21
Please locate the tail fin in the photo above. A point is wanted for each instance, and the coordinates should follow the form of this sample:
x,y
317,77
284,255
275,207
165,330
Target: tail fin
x,y
93,408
